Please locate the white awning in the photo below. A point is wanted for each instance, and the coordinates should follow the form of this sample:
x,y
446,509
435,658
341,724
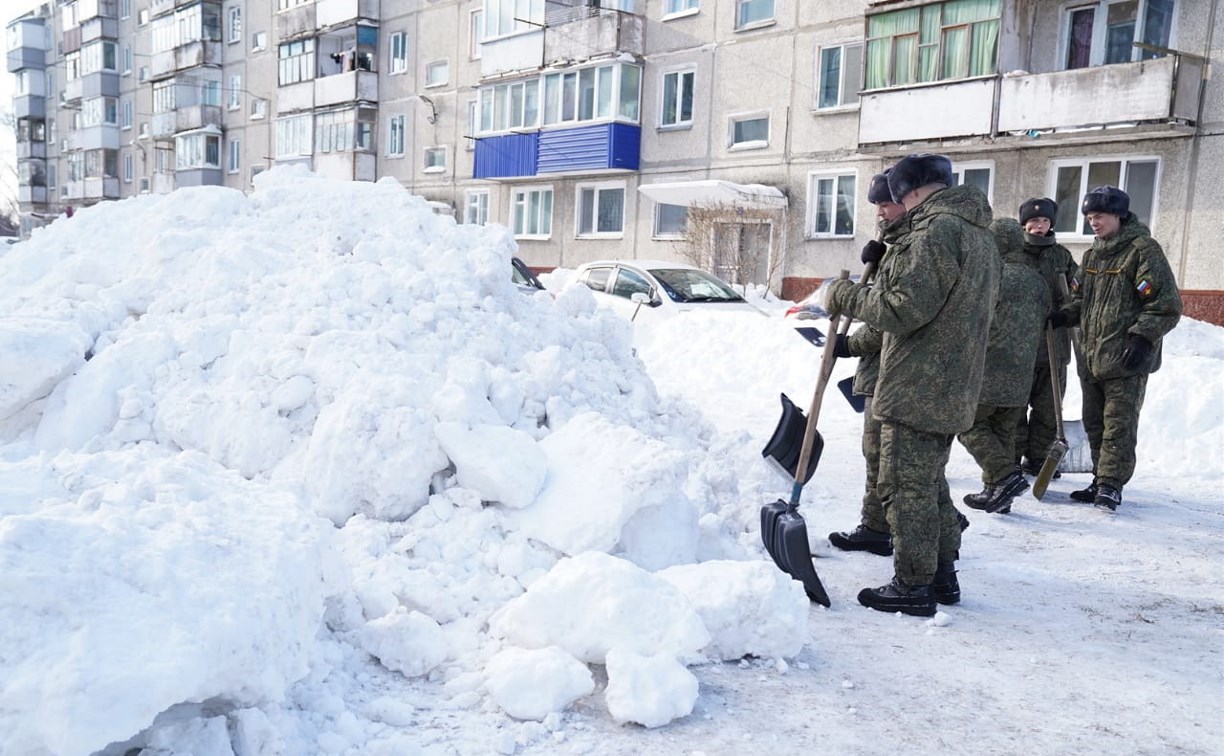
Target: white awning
x,y
715,192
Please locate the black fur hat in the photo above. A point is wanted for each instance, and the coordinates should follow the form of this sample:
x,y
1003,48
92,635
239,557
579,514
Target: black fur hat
x,y
1106,199
878,191
916,171
1034,207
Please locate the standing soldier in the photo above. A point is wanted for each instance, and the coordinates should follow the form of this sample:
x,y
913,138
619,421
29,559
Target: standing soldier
x,y
1035,433
1015,334
1126,303
933,302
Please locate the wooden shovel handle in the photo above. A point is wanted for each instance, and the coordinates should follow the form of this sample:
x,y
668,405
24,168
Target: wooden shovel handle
x,y
826,369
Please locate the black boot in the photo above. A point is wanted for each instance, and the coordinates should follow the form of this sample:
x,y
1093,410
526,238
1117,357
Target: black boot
x,y
1002,492
977,499
917,600
1107,498
1086,495
863,538
945,586
961,520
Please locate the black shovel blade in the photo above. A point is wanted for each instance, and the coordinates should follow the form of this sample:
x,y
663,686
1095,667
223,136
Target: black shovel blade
x,y
857,401
786,443
769,529
790,533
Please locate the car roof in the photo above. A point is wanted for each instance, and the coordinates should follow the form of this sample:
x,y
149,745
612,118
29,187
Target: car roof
x,y
643,264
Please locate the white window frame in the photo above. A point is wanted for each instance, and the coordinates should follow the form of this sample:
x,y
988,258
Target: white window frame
x,y
1096,53
959,168
656,233
259,109
752,144
1066,209
259,41
473,124
843,87
759,23
127,61
814,177
521,194
396,123
125,9
506,18
233,157
680,8
294,136
397,53
476,207
129,167
598,187
431,69
234,100
125,115
436,167
233,25
679,123
475,33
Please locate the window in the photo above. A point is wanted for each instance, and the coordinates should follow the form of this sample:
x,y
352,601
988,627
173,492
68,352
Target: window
x,y
296,61
976,174
676,7
395,136
670,221
197,150
259,41
749,132
437,73
210,92
435,160
677,107
531,212
600,210
341,131
398,62
234,99
831,205
190,23
1106,31
1073,178
476,207
126,120
98,56
837,81
142,17
259,109
473,116
100,163
950,40
235,156
127,60
163,96
143,185
287,4
753,12
125,8
475,33
504,17
587,94
233,25
144,73
129,168
293,136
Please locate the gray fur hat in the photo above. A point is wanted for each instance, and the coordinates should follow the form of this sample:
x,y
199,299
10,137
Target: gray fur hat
x,y
1106,199
916,171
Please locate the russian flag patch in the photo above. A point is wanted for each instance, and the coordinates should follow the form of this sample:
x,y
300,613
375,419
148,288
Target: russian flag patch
x,y
1144,288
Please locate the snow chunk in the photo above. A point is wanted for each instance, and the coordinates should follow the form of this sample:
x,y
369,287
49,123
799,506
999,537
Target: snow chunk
x,y
649,690
531,684
38,354
593,602
404,641
505,465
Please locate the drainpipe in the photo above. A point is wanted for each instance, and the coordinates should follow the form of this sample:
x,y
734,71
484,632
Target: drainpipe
x,y
1192,163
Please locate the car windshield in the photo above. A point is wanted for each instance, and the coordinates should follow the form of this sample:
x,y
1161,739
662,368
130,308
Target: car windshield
x,y
688,285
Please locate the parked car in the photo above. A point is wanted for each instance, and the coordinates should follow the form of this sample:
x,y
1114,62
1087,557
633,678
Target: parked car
x,y
654,288
523,277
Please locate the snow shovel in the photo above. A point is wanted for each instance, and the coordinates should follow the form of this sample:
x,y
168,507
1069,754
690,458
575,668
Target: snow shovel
x,y
783,529
1059,447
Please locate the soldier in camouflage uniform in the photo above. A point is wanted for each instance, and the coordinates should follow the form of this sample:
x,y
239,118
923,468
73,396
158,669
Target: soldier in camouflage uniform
x,y
872,533
1015,334
934,303
1125,304
1035,433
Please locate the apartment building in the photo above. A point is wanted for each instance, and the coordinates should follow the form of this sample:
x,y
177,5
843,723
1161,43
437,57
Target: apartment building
x,y
740,131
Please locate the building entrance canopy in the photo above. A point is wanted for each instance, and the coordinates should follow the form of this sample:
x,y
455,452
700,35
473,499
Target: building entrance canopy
x,y
715,192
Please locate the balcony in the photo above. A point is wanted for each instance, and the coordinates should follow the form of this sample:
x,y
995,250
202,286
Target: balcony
x,y
296,22
30,106
26,150
518,52
26,57
1152,98
351,86
99,28
32,195
330,13
346,166
189,55
72,40
598,148
94,138
71,91
592,33
93,188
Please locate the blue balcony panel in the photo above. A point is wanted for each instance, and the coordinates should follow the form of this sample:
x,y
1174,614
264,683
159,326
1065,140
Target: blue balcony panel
x,y
507,156
603,146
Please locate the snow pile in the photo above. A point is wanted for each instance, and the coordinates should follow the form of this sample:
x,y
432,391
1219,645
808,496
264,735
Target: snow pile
x,y
258,440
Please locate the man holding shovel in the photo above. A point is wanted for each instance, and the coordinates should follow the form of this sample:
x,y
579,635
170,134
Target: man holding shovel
x,y
933,302
1126,303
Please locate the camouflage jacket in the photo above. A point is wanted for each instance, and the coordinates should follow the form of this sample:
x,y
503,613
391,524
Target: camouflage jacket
x,y
1052,260
865,342
1016,329
1127,288
933,303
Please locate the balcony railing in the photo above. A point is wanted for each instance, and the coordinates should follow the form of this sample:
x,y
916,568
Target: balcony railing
x,y
592,33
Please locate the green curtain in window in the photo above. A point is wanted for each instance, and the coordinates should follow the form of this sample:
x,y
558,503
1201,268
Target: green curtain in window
x,y
968,11
955,53
905,59
880,30
984,57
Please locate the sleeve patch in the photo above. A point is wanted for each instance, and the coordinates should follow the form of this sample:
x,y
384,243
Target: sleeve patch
x,y
1144,289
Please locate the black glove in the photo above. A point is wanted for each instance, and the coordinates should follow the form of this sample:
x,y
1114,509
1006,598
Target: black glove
x,y
873,251
1058,319
841,345
1136,352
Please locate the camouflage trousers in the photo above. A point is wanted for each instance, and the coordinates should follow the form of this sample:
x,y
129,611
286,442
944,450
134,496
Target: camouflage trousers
x,y
1035,433
1111,420
873,511
919,508
991,440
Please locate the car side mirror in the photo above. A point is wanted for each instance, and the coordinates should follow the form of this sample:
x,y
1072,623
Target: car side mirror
x,y
640,297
